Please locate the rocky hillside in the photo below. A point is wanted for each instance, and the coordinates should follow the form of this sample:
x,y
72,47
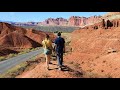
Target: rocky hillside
x,y
97,51
12,36
97,48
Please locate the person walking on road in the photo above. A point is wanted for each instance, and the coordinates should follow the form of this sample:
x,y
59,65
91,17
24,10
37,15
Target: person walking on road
x,y
60,49
47,46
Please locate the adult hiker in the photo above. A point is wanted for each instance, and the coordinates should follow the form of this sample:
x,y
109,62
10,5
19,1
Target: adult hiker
x,y
47,45
60,49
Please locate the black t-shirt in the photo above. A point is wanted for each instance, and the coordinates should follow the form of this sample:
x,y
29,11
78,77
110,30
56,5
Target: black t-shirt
x,y
60,44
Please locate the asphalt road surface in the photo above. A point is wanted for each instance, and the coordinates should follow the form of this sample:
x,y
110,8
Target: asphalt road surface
x,y
7,64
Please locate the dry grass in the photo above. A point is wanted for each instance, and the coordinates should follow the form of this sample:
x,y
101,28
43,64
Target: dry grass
x,y
13,72
2,58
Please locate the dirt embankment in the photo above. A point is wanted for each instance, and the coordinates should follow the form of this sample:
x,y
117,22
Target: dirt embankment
x,y
97,51
94,53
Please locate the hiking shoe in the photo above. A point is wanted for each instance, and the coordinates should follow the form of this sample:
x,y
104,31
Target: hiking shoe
x,y
48,68
60,69
50,63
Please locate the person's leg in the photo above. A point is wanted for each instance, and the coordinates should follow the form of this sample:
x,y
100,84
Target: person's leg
x,y
58,59
61,56
50,57
47,61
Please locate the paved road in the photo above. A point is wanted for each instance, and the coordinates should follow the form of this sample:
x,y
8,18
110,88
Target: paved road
x,y
7,64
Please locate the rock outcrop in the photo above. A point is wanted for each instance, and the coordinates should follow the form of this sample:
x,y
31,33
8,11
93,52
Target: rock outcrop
x,y
104,24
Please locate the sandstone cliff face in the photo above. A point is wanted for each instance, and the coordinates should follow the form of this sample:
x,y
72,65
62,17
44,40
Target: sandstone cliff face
x,y
72,21
57,21
82,21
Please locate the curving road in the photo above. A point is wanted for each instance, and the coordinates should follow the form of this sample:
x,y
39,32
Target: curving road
x,y
7,64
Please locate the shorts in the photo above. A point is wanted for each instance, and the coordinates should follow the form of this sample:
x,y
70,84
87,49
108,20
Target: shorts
x,y
47,51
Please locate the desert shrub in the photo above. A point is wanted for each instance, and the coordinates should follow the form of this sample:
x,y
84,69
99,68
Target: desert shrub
x,y
11,55
2,58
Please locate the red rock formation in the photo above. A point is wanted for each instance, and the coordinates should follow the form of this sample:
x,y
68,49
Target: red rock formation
x,y
57,21
82,21
72,21
15,39
6,28
38,36
104,24
12,36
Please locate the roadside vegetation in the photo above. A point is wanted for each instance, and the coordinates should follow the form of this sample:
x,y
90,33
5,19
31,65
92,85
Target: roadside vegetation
x,y
64,29
11,73
17,70
2,58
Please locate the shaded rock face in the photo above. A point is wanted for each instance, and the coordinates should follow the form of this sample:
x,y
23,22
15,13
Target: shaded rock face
x,y
12,36
5,51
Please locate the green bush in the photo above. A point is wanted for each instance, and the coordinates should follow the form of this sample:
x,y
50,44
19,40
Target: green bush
x,y
2,58
25,51
11,55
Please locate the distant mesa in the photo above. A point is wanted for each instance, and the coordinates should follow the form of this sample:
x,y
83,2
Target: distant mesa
x,y
72,21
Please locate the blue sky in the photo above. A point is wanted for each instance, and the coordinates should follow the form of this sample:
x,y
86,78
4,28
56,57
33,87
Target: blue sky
x,y
41,16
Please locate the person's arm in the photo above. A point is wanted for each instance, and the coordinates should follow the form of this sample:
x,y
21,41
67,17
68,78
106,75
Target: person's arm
x,y
64,46
55,45
51,45
42,43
